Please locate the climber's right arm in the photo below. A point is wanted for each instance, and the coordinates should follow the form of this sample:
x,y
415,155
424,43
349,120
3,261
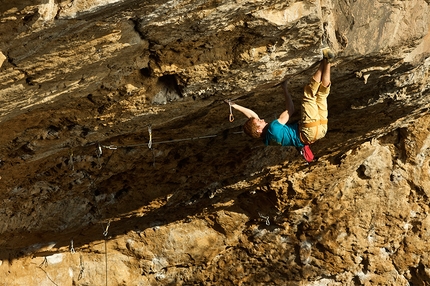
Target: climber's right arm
x,y
246,111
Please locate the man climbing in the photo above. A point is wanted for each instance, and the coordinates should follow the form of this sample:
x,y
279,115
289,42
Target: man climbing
x,y
313,123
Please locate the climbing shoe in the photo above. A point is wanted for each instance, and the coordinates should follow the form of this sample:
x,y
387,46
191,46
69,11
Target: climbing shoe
x,y
328,54
307,154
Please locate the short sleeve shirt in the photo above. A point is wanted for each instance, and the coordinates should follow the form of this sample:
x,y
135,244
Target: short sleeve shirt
x,y
283,134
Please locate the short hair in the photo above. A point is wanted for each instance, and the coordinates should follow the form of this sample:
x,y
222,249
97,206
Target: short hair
x,y
250,128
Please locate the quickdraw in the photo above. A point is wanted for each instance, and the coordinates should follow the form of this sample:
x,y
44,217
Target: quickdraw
x,y
231,117
150,136
105,233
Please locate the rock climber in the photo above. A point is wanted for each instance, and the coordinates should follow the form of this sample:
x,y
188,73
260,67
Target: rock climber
x,y
313,123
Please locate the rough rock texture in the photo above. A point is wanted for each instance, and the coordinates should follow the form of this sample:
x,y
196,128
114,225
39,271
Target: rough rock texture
x,y
119,165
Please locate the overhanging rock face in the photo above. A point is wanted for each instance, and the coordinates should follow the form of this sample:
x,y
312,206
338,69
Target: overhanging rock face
x,y
116,143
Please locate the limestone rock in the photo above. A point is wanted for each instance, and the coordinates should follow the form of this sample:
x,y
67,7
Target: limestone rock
x,y
119,166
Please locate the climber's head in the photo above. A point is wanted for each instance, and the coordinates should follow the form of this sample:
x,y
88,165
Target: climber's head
x,y
254,127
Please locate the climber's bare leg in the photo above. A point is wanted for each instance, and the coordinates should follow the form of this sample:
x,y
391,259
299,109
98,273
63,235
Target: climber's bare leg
x,y
325,78
322,75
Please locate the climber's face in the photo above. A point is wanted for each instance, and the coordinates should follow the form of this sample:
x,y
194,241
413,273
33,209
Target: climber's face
x,y
260,124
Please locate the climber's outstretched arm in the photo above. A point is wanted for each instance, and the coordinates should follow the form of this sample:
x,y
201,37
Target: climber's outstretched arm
x,y
289,110
248,112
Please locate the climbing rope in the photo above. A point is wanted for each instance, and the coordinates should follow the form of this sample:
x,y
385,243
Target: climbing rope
x,y
45,264
150,144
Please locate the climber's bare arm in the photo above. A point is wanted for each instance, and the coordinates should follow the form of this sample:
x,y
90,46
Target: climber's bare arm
x,y
289,110
284,117
246,111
